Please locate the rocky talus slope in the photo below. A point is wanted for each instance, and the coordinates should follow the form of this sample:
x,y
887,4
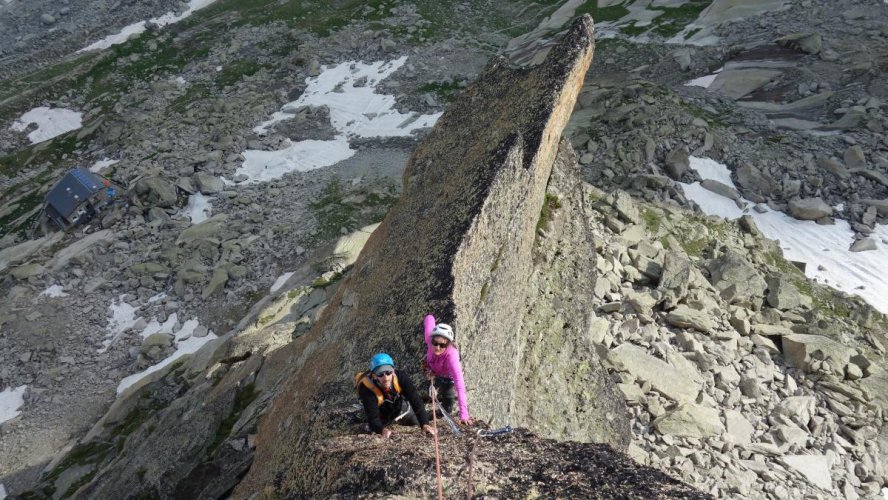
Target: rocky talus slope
x,y
194,430
742,377
723,366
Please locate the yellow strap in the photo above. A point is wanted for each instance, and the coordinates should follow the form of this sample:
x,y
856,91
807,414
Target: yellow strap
x,y
376,390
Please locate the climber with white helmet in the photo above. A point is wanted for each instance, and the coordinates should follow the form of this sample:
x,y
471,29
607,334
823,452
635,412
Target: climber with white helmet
x,y
442,363
389,397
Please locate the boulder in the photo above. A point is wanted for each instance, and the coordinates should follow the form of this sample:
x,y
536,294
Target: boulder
x,y
815,468
790,435
683,58
752,179
834,167
736,83
871,174
210,228
686,317
631,392
27,271
641,302
720,189
208,184
674,279
148,268
800,350
733,270
855,157
186,185
156,192
156,340
738,429
625,207
881,205
809,43
690,420
770,329
217,282
863,245
17,254
782,294
664,378
794,409
677,163
809,209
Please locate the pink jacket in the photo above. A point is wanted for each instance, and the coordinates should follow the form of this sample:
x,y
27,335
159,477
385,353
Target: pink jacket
x,y
446,365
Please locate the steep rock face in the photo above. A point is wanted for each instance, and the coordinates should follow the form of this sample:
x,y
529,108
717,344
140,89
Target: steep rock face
x,y
458,245
558,363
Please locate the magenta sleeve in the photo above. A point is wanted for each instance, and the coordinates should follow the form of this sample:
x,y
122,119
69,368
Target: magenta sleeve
x,y
457,375
428,324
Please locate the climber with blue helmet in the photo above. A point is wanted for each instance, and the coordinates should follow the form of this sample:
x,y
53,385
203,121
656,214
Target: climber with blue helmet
x,y
389,396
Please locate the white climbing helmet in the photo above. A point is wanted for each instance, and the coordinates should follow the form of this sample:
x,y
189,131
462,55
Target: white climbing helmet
x,y
443,330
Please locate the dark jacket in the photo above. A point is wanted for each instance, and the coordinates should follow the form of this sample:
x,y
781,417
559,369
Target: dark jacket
x,y
379,415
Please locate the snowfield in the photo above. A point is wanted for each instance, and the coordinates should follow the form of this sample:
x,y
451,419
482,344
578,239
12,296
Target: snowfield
x,y
51,122
823,248
348,90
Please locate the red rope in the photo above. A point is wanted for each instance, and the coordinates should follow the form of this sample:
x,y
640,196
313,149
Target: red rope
x,y
434,395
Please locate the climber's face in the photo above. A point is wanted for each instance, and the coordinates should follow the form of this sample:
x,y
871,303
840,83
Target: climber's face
x,y
384,378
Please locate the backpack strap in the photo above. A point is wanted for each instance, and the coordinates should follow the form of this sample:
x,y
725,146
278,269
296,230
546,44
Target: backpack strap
x,y
363,378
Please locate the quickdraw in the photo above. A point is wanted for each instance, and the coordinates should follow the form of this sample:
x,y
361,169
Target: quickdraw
x,y
433,393
495,432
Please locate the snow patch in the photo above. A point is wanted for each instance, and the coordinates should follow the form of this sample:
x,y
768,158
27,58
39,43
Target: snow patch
x,y
302,156
348,90
156,327
180,80
185,344
823,248
279,282
101,164
198,208
51,122
2,488
10,402
54,292
140,27
704,81
123,317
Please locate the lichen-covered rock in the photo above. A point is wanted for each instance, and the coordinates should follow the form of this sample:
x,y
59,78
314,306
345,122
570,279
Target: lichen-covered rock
x,y
156,192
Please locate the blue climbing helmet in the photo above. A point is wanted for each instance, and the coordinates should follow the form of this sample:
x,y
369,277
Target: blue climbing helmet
x,y
381,359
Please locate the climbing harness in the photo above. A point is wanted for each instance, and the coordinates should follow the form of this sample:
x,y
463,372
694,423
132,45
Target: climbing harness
x,y
495,432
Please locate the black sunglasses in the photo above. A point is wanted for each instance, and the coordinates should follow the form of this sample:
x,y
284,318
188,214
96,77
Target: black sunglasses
x,y
439,344
384,374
